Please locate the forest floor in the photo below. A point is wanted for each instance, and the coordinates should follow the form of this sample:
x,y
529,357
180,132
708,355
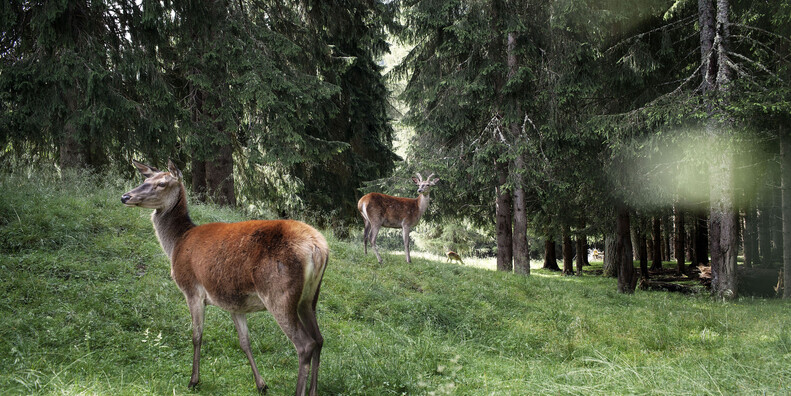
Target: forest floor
x,y
87,306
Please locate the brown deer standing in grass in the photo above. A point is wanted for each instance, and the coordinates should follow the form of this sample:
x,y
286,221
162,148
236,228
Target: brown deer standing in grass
x,y
274,265
380,210
453,256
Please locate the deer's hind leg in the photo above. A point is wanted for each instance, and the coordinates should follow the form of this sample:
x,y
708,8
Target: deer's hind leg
x,y
287,316
240,322
373,234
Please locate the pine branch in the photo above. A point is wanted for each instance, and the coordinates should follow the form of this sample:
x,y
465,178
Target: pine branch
x,y
756,63
775,35
688,20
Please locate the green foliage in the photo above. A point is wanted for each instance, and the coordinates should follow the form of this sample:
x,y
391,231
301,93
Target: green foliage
x,y
88,306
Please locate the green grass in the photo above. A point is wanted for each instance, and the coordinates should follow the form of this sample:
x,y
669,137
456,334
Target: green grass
x,y
87,306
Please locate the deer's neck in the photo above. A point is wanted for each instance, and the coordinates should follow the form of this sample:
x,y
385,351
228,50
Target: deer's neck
x,y
172,223
422,203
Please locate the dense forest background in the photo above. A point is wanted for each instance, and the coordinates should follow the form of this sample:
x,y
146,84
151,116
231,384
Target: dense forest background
x,y
651,130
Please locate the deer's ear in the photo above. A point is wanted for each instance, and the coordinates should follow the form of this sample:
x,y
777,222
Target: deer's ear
x,y
414,179
174,170
144,169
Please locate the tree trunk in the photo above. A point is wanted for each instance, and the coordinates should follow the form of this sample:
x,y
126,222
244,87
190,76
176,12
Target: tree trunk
x,y
72,153
636,238
219,176
199,178
701,248
504,227
550,258
623,251
643,253
610,266
678,217
750,236
585,248
722,220
666,238
581,253
777,223
521,250
785,185
656,232
764,229
568,253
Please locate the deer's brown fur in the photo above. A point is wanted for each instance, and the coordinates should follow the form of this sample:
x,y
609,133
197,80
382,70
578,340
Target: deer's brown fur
x,y
274,265
380,210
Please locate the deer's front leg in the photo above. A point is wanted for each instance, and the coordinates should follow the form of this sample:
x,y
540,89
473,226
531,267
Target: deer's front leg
x,y
197,309
406,242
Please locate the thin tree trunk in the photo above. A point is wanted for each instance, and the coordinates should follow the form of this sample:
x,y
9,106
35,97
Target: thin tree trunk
x,y
623,250
750,237
678,217
520,250
666,238
777,223
656,232
504,227
580,253
764,229
642,248
785,183
568,253
550,258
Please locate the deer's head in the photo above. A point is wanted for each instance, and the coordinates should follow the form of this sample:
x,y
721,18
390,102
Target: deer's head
x,y
424,185
160,189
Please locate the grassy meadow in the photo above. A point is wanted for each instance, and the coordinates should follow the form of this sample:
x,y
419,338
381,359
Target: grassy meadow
x,y
87,306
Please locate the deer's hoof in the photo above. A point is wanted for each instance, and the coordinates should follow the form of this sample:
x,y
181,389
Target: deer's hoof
x,y
262,389
192,385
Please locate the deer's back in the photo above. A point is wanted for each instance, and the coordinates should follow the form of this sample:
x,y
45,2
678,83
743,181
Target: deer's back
x,y
390,210
232,262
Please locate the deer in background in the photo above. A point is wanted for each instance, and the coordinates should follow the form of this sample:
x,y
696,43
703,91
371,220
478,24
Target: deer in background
x,y
249,266
453,256
380,210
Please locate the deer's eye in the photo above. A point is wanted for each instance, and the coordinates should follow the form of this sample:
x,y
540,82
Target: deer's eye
x,y
162,184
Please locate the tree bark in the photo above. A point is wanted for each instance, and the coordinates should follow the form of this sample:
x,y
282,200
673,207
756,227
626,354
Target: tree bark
x,y
777,223
643,253
550,258
623,250
568,253
219,176
722,219
785,185
71,153
520,250
610,265
656,232
678,217
198,178
581,253
666,238
749,236
504,226
764,228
